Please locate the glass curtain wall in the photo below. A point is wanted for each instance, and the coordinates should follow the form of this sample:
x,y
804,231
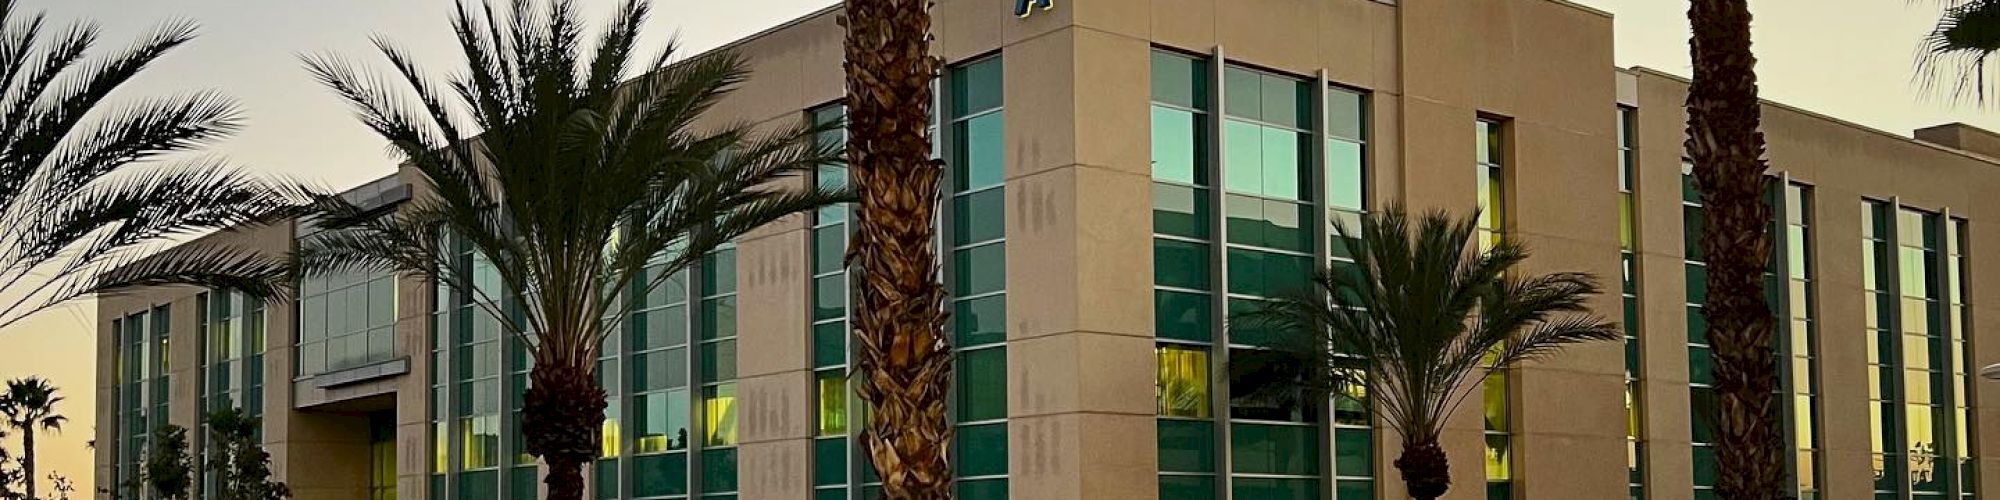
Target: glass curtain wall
x,y
1788,290
345,321
232,365
975,222
143,393
1263,244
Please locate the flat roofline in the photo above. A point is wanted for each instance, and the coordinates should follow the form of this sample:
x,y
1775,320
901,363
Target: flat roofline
x,y
1586,8
1646,71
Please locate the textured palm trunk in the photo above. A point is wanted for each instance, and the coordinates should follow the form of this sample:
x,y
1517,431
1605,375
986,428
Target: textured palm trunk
x,y
1426,470
1728,152
28,462
561,416
903,360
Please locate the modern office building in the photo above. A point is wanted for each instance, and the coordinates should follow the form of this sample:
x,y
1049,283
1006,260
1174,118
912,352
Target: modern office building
x,y
1123,174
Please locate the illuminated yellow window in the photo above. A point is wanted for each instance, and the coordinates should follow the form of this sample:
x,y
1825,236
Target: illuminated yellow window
x,y
831,405
1183,381
608,438
718,413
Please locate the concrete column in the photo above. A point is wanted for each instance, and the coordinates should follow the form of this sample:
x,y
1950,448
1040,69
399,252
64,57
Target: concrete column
x,y
774,374
1079,272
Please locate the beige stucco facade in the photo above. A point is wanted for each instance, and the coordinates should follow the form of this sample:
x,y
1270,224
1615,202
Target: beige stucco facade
x,y
1081,372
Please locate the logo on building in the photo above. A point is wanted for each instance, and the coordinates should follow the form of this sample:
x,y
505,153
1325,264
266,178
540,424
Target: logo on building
x,y
1025,8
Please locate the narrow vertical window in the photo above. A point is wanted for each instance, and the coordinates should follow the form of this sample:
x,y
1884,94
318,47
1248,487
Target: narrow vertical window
x,y
1490,154
977,245
1183,293
1628,256
1346,197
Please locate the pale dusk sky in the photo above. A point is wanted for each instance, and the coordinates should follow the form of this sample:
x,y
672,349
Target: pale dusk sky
x,y
1850,59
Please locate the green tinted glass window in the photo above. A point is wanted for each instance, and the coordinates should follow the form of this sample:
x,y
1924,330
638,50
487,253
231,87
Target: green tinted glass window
x,y
1179,80
1269,223
1274,449
1180,264
977,87
1181,211
984,449
978,217
980,396
1187,445
981,269
1182,315
1180,146
980,321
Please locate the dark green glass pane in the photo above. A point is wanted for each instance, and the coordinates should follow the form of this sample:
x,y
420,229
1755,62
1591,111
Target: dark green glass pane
x,y
479,485
1253,333
829,297
978,217
1701,366
1179,487
982,385
984,489
1704,466
1183,316
1269,223
718,273
828,244
1501,491
1287,101
1181,211
1697,321
977,87
980,269
718,470
1354,488
1697,284
1266,274
830,494
718,318
980,321
1179,80
1263,488
1181,264
1180,146
1353,452
1187,446
829,344
603,472
979,152
1273,449
659,475
982,449
1692,222
829,461
718,361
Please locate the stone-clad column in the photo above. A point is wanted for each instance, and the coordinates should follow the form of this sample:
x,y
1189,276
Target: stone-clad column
x,y
1080,369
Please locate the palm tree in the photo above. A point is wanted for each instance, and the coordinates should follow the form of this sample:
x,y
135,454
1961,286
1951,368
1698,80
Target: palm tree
x,y
1419,321
902,359
81,208
579,182
1967,35
30,405
1728,152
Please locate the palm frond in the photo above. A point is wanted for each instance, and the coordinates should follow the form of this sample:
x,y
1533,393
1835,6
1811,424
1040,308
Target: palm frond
x,y
1420,317
1952,59
79,197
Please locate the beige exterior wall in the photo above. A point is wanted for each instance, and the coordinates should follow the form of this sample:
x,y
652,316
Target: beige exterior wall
x,y
1080,347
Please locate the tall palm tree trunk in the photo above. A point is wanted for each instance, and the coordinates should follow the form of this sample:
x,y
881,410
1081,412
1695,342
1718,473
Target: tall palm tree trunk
x,y
1426,470
562,413
1728,152
903,358
28,463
